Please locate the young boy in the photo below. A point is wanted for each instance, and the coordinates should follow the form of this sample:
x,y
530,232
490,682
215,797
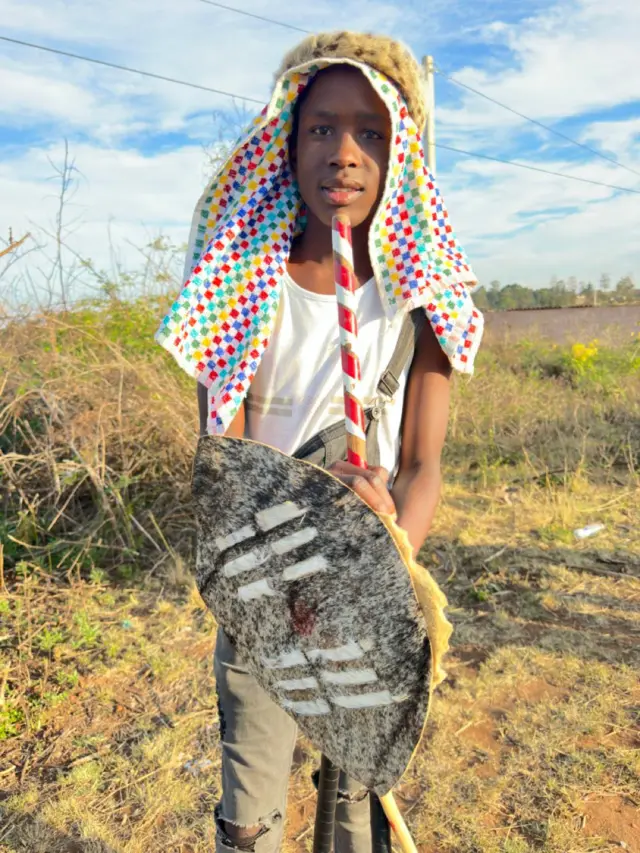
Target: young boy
x,y
257,325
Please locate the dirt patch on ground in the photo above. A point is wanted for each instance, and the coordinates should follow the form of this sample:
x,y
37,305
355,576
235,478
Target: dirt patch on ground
x,y
500,703
483,732
471,656
482,735
486,755
565,324
614,819
464,663
626,738
539,690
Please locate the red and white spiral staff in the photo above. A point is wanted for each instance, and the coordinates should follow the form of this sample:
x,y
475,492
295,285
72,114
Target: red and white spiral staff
x,y
345,282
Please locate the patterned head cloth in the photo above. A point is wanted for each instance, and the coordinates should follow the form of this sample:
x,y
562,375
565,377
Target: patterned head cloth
x,y
219,327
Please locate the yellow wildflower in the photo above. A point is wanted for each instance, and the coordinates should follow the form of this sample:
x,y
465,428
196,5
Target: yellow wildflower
x,y
584,353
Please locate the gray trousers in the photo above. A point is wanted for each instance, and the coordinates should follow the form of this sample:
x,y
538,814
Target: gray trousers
x,y
257,740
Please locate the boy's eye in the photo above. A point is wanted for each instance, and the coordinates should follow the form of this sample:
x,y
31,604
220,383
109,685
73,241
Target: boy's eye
x,y
325,130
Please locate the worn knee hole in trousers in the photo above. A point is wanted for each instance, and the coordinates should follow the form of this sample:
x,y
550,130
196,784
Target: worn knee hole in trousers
x,y
222,725
236,837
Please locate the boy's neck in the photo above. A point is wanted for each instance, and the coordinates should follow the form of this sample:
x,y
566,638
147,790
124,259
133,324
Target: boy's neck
x,y
311,258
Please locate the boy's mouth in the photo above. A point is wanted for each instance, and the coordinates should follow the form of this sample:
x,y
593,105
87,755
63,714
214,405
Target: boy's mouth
x,y
342,193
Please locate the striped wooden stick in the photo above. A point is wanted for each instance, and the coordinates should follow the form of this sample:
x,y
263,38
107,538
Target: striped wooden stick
x,y
344,278
345,281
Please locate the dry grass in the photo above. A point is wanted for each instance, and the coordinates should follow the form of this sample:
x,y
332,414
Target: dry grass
x,y
108,725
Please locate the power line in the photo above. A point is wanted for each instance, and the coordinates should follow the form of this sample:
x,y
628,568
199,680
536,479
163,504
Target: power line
x,y
536,122
537,169
256,17
447,77
256,101
130,70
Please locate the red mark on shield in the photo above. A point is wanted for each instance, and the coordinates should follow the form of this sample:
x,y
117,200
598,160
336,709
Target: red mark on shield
x,y
303,617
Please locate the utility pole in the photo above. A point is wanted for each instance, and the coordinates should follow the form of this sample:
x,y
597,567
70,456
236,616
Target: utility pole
x,y
430,132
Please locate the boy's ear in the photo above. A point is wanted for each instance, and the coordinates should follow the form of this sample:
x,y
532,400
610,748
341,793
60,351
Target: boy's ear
x,y
293,156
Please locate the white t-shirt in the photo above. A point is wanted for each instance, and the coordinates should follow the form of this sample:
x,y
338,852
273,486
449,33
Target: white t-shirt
x,y
297,390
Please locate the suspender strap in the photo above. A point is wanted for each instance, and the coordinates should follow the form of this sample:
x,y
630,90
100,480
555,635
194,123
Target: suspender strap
x,y
330,444
403,353
390,379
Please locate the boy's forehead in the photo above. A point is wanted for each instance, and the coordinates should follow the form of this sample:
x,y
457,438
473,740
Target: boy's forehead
x,y
343,90
348,109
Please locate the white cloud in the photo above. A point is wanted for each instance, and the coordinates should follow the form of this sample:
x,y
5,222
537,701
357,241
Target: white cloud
x,y
615,137
29,97
572,58
120,200
100,110
191,41
524,226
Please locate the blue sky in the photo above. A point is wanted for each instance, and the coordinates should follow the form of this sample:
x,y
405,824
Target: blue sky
x,y
139,145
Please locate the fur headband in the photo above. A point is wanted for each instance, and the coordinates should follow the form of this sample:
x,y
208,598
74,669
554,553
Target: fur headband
x,y
386,55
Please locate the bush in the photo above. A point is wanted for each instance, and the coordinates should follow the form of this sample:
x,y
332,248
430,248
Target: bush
x,y
97,430
535,408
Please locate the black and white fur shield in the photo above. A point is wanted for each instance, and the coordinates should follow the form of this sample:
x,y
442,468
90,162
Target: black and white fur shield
x,y
308,584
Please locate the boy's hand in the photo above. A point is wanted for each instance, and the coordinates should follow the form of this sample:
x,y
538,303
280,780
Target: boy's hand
x,y
370,484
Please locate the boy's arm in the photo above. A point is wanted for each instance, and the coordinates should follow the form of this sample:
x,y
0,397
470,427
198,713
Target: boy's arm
x,y
416,490
236,430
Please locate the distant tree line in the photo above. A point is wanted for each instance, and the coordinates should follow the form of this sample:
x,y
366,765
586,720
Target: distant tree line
x,y
559,294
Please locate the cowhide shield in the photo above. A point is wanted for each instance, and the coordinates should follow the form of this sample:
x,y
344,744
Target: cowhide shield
x,y
310,587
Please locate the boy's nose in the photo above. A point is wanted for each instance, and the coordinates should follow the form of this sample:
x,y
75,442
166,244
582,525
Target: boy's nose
x,y
347,153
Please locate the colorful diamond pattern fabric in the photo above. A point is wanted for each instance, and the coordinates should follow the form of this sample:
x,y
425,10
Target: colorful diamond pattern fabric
x,y
243,227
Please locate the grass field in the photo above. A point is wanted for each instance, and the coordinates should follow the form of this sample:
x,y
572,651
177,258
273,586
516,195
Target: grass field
x,y
108,722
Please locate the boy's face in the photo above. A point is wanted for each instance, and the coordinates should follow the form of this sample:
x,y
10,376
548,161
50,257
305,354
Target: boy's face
x,y
341,153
